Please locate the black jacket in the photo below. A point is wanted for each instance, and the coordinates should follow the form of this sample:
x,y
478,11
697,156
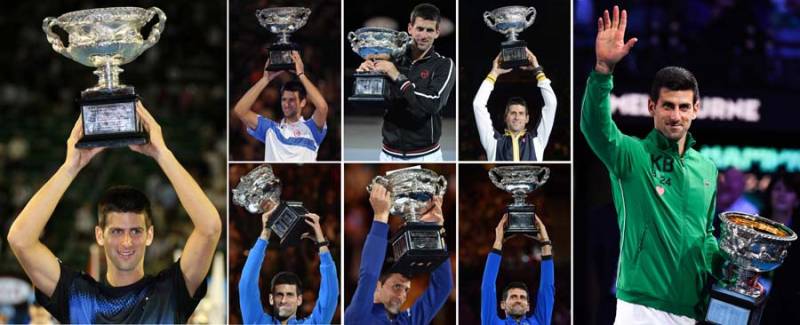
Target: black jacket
x,y
412,120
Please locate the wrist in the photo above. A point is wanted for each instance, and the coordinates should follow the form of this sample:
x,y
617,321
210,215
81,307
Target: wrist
x,y
382,217
498,245
603,67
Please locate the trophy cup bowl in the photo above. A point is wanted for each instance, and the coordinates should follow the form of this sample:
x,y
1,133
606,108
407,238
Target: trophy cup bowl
x,y
519,181
418,246
261,185
375,43
106,38
282,21
750,245
510,21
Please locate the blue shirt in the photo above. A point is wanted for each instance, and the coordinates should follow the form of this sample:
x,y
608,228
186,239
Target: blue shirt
x,y
362,309
544,298
250,298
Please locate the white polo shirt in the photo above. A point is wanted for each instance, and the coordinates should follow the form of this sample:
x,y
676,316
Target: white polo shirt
x,y
298,141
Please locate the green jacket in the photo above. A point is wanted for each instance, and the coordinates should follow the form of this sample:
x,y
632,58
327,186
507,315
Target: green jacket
x,y
665,210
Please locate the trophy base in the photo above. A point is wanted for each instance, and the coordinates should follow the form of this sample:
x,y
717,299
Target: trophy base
x,y
730,307
513,54
287,222
109,119
370,87
418,247
280,56
521,221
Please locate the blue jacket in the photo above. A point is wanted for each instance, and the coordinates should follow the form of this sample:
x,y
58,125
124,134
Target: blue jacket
x,y
544,298
250,298
362,309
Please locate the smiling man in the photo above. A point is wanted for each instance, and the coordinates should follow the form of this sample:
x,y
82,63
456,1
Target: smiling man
x,y
422,80
664,191
124,230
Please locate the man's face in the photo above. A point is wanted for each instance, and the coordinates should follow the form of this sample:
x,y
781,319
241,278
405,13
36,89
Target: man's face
x,y
291,104
393,292
516,303
423,32
673,112
517,118
285,300
124,239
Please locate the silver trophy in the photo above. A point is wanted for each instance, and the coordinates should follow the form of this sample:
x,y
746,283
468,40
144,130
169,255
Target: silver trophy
x,y
104,39
750,245
511,21
418,247
282,21
261,185
375,43
519,181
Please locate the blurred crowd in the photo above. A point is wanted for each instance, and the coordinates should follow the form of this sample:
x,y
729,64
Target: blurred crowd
x,y
317,186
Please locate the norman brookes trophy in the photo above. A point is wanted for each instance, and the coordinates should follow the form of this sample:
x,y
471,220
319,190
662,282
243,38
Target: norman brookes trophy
x,y
519,181
511,20
104,39
282,21
375,43
418,247
261,185
750,245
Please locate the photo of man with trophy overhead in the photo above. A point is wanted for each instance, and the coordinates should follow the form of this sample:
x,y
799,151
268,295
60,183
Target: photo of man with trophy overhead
x,y
417,248
290,63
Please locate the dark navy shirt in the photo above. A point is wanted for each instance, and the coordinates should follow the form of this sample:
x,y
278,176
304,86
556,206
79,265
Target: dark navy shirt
x,y
160,299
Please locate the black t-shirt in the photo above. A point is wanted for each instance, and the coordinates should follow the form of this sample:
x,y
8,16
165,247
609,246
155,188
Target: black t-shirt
x,y
160,299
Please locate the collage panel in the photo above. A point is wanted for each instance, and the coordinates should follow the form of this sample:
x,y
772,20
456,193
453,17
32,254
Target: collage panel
x,y
284,84
514,244
514,80
112,185
285,248
400,243
399,79
686,160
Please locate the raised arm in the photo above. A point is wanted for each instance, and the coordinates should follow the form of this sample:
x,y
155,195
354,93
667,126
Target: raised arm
x,y
249,294
372,256
320,105
543,313
483,119
545,126
199,249
441,281
37,260
489,280
243,108
327,300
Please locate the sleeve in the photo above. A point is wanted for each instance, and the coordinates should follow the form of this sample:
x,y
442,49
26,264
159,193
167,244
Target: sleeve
x,y
249,295
543,314
483,120
489,289
441,283
372,256
548,113
319,134
713,254
185,303
58,303
328,291
603,136
260,132
424,101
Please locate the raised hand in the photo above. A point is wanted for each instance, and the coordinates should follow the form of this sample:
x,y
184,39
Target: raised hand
x,y
435,213
496,69
78,158
500,232
269,207
610,46
379,199
156,145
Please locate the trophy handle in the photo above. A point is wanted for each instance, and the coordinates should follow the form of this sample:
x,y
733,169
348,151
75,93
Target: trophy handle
x,y
351,36
53,38
303,18
489,23
531,11
495,178
544,174
377,180
403,40
155,33
442,185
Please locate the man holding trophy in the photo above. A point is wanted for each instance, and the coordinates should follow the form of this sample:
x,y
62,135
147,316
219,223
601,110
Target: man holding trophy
x,y
421,82
515,301
286,288
381,293
124,230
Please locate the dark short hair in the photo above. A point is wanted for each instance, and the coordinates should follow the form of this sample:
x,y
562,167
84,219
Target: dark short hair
x,y
123,199
386,275
295,86
514,285
674,78
287,277
426,11
516,101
